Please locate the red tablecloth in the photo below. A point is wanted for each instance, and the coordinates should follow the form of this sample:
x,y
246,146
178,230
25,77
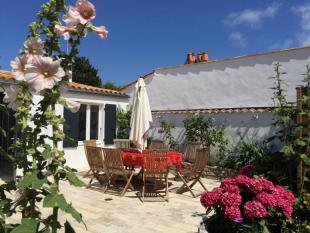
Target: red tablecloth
x,y
136,159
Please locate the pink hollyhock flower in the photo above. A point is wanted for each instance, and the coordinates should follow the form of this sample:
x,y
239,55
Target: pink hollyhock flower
x,y
100,31
229,181
34,46
254,209
43,73
18,67
233,213
230,199
63,31
208,199
83,12
73,106
10,97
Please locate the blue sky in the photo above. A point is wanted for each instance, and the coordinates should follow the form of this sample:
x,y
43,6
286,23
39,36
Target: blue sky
x,y
144,35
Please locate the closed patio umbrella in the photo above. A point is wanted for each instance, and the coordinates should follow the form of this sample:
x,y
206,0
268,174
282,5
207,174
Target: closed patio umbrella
x,y
141,118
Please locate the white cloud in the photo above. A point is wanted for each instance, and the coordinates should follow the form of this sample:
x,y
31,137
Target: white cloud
x,y
304,12
252,17
238,39
283,45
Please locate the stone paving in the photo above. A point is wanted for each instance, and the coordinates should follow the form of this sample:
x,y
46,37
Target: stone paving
x,y
109,213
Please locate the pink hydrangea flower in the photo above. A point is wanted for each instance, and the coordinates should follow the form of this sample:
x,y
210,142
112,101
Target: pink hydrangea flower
x,y
230,188
208,199
230,199
83,12
10,97
34,46
19,67
43,73
233,213
100,31
268,200
73,106
254,209
63,31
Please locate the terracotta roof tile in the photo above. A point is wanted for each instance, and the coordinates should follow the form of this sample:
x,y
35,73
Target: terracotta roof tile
x,y
220,110
6,75
72,85
78,86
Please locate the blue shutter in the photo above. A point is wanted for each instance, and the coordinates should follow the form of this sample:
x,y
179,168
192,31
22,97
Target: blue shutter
x,y
71,129
110,124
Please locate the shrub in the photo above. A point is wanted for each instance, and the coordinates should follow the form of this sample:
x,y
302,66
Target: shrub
x,y
244,204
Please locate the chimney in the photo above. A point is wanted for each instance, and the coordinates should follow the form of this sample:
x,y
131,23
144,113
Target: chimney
x,y
204,57
190,59
199,57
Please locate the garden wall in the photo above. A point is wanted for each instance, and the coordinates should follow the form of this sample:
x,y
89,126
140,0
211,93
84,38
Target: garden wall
x,y
247,125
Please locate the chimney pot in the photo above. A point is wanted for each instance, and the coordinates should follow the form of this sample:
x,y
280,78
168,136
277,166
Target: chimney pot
x,y
205,57
199,57
190,58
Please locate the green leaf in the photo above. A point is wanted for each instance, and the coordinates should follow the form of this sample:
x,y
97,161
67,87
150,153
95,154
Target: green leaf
x,y
55,200
31,180
74,180
76,215
27,226
47,152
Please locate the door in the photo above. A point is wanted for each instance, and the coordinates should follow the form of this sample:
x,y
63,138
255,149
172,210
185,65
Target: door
x,y
7,121
109,124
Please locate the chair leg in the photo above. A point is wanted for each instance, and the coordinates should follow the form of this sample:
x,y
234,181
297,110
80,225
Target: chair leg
x,y
143,189
202,185
167,192
182,188
89,183
87,173
128,184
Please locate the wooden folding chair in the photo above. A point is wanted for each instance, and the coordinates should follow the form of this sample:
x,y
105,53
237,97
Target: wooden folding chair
x,y
190,154
195,172
122,143
115,168
155,177
157,144
88,143
96,163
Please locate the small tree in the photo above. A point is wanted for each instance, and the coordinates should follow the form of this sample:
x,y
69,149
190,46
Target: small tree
x,y
85,73
167,127
123,123
197,129
111,85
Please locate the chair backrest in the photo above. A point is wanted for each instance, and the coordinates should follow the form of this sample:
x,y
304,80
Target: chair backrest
x,y
95,158
191,148
157,144
157,152
122,143
201,160
89,143
113,159
155,165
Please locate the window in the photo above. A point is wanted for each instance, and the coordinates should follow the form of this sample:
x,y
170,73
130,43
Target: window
x,y
82,123
94,119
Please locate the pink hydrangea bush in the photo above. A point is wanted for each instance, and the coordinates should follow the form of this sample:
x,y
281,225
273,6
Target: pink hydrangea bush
x,y
244,200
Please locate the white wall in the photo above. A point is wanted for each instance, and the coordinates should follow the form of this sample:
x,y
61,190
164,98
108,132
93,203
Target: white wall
x,y
75,157
231,83
257,126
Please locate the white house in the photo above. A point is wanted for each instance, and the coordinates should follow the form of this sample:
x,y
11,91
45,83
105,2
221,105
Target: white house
x,y
234,91
96,119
